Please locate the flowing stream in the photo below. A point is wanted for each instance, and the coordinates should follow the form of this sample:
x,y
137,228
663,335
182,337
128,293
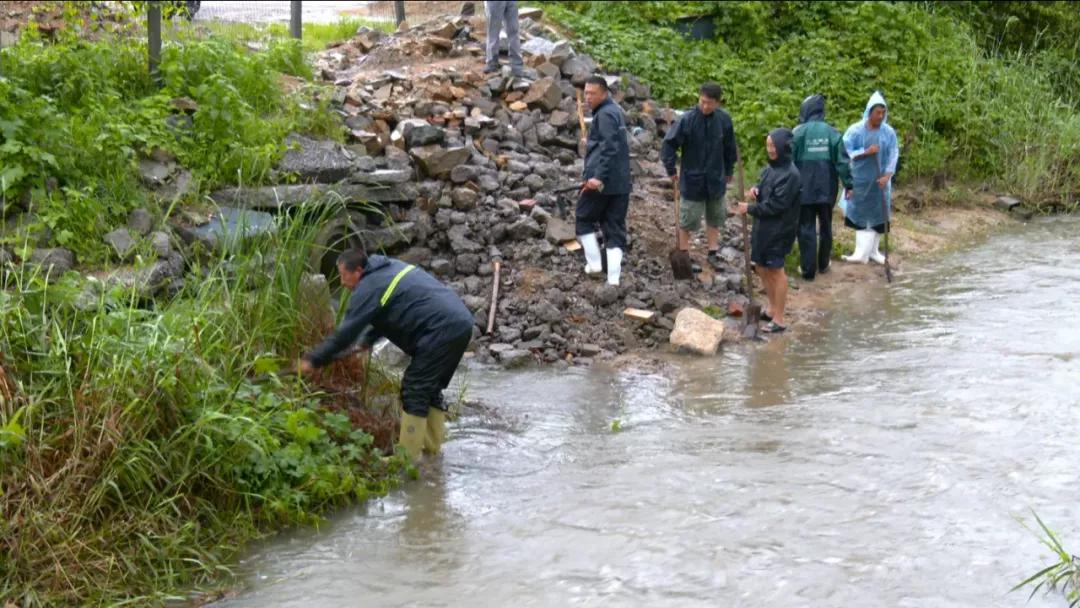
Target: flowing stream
x,y
879,458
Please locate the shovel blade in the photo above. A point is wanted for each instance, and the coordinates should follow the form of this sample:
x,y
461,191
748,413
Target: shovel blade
x,y
680,265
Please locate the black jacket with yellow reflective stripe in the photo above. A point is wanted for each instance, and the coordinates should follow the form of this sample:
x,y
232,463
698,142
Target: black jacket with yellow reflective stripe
x,y
418,312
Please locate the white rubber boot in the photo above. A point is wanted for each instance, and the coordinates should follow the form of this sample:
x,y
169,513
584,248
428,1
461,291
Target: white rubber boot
x,y
864,241
593,264
614,265
875,253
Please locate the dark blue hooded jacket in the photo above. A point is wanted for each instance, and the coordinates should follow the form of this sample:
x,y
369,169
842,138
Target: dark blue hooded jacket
x,y
417,312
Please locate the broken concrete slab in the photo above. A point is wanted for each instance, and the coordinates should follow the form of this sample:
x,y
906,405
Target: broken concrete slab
x,y
315,160
284,197
697,332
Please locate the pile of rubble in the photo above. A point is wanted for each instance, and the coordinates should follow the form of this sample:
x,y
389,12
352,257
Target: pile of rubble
x,y
479,171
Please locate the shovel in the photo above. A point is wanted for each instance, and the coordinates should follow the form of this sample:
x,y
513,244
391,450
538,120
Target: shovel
x,y
680,260
888,226
753,311
581,124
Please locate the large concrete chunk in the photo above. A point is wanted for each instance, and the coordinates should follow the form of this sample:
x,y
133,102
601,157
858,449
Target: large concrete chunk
x,y
436,161
697,332
320,161
544,93
283,197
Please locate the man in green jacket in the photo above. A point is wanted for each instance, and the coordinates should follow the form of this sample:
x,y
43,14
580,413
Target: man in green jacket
x,y
823,163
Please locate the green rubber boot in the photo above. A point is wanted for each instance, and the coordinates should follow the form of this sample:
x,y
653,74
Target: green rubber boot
x,y
413,430
436,431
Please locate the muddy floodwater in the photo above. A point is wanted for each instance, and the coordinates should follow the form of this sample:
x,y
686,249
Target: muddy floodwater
x,y
877,458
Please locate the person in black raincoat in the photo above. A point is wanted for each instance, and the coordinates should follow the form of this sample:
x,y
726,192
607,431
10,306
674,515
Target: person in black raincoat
x,y
419,315
776,220
605,196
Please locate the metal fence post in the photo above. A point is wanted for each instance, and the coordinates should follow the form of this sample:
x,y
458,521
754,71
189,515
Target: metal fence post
x,y
296,24
153,29
399,11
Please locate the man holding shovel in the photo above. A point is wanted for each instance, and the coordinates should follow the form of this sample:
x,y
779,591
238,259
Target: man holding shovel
x,y
419,315
704,138
605,196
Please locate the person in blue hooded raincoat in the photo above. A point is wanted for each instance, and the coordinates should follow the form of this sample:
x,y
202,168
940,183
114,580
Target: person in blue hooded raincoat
x,y
871,145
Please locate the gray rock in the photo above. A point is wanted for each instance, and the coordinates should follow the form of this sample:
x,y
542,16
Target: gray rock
x,y
313,160
1006,203
460,242
488,183
559,231
382,177
389,238
26,229
605,295
161,244
285,197
436,161
441,267
155,173
515,166
665,302
509,334
53,262
467,263
230,225
464,198
578,65
147,281
458,217
473,285
546,312
462,174
123,243
512,359
140,221
476,304
424,135
590,350
547,133
534,182
525,228
545,94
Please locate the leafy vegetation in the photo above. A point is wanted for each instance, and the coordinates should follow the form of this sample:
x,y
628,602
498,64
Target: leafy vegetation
x,y
77,115
139,446
142,442
1063,575
961,105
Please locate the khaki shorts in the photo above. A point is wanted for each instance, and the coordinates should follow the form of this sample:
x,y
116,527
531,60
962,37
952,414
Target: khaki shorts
x,y
690,213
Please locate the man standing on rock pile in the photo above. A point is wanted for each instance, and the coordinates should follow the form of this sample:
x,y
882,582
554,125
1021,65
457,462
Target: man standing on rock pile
x,y
605,196
419,315
705,137
501,12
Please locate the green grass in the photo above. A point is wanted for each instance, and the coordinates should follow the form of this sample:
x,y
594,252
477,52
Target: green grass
x,y
314,36
77,116
140,446
143,442
959,108
1063,575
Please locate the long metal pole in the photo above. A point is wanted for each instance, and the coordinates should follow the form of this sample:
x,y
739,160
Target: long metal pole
x,y
153,29
296,23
